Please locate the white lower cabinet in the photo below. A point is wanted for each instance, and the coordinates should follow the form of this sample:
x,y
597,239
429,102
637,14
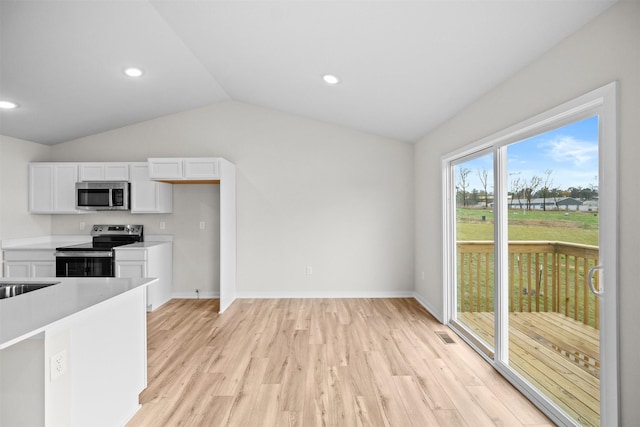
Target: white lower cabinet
x,y
36,263
43,269
17,269
152,261
30,269
131,269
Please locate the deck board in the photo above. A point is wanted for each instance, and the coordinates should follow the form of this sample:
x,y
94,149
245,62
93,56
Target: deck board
x,y
557,354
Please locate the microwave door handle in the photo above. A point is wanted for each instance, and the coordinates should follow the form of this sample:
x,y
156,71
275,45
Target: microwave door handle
x,y
110,197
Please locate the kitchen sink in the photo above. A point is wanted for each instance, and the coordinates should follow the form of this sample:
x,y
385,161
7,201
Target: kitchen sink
x,y
11,289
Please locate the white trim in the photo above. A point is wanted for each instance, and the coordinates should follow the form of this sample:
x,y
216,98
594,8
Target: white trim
x,y
431,309
501,255
449,242
311,295
194,295
609,246
317,295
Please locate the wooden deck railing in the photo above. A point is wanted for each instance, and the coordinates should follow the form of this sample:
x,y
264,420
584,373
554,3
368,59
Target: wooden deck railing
x,y
543,277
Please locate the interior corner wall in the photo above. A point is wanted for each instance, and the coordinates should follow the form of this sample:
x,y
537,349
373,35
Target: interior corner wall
x,y
15,220
605,50
309,194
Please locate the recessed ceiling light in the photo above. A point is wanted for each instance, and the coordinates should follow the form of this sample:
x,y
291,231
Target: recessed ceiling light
x,y
133,72
330,79
8,105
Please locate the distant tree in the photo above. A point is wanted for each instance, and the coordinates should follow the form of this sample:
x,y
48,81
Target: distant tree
x,y
581,193
517,186
556,193
483,174
530,189
473,199
588,194
547,182
464,183
574,192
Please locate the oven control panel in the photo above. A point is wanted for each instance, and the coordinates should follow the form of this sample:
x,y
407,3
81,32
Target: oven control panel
x,y
110,229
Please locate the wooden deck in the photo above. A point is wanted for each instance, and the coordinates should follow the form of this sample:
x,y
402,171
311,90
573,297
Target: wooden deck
x,y
557,354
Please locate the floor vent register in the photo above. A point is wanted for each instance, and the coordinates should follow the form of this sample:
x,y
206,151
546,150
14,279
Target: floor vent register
x,y
445,337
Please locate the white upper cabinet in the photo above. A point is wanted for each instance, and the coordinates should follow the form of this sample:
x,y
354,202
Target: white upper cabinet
x,y
104,171
149,196
52,188
184,168
204,168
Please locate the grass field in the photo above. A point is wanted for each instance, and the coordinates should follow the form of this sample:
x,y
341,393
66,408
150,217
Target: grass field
x,y
574,227
475,285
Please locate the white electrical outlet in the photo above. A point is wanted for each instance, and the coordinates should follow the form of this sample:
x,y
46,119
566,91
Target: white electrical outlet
x,y
162,225
201,225
82,224
309,270
58,364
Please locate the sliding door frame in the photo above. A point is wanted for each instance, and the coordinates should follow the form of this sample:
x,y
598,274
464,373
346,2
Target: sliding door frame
x,y
603,103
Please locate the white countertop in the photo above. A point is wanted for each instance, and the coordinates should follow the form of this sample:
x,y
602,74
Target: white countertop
x,y
140,245
43,242
26,315
53,242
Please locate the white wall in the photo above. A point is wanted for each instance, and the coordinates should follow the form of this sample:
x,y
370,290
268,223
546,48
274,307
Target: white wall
x,y
605,50
309,194
15,220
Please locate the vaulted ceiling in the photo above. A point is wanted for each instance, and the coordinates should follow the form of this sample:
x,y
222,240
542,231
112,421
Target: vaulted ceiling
x,y
404,66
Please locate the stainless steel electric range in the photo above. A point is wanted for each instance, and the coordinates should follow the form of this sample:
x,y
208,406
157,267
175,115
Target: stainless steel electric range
x,y
97,258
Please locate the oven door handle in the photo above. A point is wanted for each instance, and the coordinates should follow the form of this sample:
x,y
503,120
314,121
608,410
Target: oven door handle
x,y
87,254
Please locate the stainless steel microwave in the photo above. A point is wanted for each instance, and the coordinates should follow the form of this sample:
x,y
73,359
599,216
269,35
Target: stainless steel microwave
x,y
102,196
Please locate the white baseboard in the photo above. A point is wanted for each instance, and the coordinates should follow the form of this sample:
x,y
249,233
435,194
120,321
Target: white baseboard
x,y
194,295
423,302
281,295
348,294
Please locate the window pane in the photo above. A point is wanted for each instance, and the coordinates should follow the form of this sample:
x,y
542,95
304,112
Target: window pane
x,y
553,242
474,241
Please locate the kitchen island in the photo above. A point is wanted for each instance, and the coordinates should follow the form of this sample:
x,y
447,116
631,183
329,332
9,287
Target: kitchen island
x,y
73,353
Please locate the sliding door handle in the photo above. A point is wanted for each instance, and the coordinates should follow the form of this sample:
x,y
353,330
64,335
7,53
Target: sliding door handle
x,y
592,271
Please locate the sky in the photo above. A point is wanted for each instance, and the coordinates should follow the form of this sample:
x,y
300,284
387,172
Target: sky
x,y
569,152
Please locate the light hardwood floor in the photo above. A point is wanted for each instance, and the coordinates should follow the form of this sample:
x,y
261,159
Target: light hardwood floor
x,y
318,362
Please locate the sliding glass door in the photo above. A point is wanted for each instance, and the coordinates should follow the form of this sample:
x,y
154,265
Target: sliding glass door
x,y
553,316
528,229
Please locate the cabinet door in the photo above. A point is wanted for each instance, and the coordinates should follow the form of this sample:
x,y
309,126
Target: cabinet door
x,y
40,188
104,172
149,196
165,168
91,171
131,269
64,188
201,169
52,187
116,172
17,269
43,269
